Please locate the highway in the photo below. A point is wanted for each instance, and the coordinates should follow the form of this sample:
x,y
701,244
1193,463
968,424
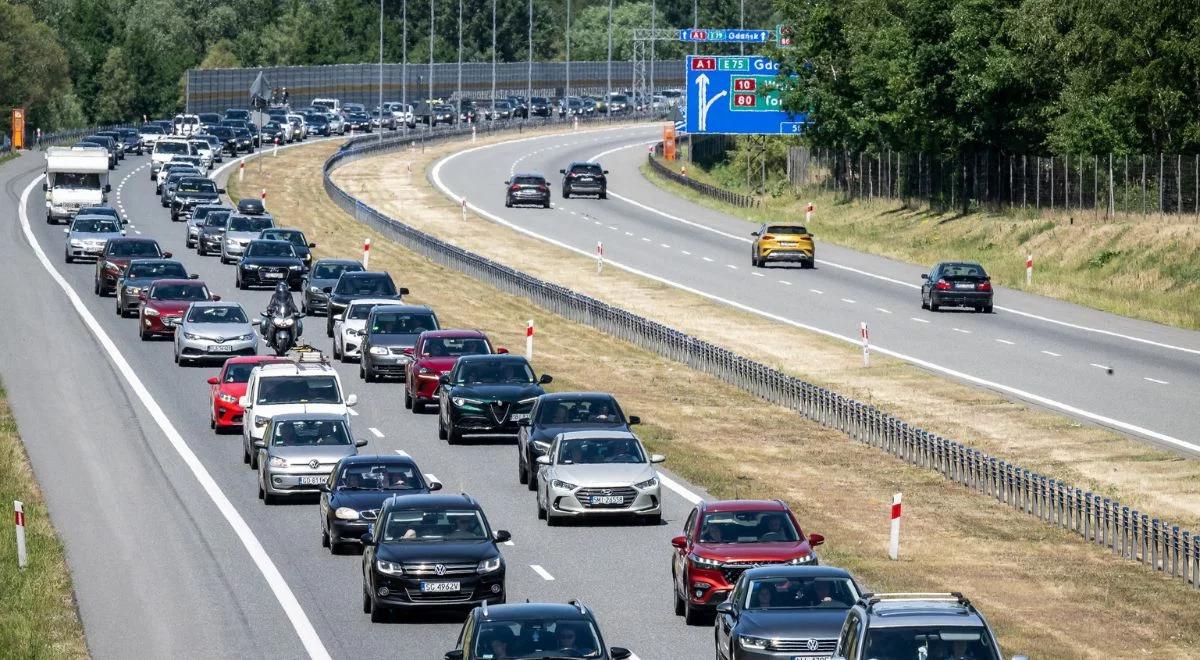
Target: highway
x,y
1051,353
171,551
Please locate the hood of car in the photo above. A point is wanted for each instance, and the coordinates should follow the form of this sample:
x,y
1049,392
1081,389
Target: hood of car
x,y
754,552
546,433
219,332
365,499
343,298
268,410
241,235
236,390
308,453
799,623
270,261
436,552
404,340
195,196
353,324
320,284
604,474
93,236
497,392
169,306
438,364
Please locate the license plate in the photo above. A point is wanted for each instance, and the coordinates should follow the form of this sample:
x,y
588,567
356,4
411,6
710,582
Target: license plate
x,y
169,321
607,499
810,657
273,276
516,417
440,587
964,285
312,481
585,178
220,348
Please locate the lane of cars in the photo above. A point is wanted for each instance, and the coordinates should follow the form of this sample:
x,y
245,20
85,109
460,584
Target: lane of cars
x,y
295,420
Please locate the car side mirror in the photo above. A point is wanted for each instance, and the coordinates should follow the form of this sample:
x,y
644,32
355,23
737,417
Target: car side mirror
x,y
327,289
108,187
434,485
323,487
725,608
216,298
507,181
408,351
754,233
66,230
545,379
502,535
562,171
815,539
167,255
351,400
679,542
220,191
924,276
502,351
657,458
244,401
45,187
214,381
193,276
618,653
260,444
606,171
367,539
634,419
404,291
444,379
312,245
360,443
454,655
543,460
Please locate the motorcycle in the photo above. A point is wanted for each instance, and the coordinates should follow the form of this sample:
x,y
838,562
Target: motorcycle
x,y
281,332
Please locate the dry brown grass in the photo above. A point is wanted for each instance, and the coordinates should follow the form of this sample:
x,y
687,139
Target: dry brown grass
x,y
1046,592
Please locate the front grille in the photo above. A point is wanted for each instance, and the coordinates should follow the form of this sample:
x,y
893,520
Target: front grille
x,y
418,596
499,412
627,495
273,270
816,647
430,569
398,350
733,571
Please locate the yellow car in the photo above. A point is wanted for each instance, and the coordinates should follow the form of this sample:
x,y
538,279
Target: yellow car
x,y
783,243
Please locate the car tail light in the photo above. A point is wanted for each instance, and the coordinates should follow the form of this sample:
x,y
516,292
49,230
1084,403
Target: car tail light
x,y
544,187
941,285
515,186
768,237
984,286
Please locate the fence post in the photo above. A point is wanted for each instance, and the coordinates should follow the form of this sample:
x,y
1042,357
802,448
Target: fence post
x,y
19,520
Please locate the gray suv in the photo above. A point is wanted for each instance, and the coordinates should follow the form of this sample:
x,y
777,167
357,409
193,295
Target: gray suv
x,y
916,625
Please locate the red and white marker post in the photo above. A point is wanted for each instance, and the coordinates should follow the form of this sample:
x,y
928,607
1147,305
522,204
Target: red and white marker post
x,y
894,543
275,152
529,340
1029,270
241,171
865,336
366,253
575,123
464,208
599,256
808,211
19,517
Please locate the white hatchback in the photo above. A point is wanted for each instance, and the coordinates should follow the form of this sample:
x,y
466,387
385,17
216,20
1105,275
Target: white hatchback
x,y
348,327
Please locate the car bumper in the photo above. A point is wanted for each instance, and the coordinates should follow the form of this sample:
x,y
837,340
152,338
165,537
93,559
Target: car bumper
x,y
405,592
232,249
387,365
482,423
203,348
286,481
318,303
788,254
348,531
530,198
227,415
426,386
960,298
85,251
707,588
254,276
212,241
160,324
586,188
647,502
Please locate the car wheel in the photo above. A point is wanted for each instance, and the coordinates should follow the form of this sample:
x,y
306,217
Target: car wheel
x,y
566,194
325,539
408,400
551,521
329,327
142,331
379,614
987,309
241,283
200,249
541,513
654,520
117,307
366,601
924,305
693,616
533,478
522,472
933,307
508,202
253,460
68,258
245,455
441,429
679,605
453,436
603,194
337,354
96,287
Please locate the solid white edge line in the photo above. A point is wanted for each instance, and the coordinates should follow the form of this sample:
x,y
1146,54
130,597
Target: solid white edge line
x,y
542,572
1052,354
258,554
884,278
435,176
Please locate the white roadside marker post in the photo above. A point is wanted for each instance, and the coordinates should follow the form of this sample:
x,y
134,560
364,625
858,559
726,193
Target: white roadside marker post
x,y
808,211
865,335
599,256
1029,270
894,544
241,171
464,208
529,340
366,253
19,515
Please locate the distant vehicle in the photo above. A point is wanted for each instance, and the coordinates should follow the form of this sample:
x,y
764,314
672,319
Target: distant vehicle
x,y
533,630
916,625
209,119
318,123
300,244
617,104
165,150
197,220
356,490
332,105
87,235
209,147
299,130
957,284
384,120
214,330
354,285
115,153
185,125
673,97
237,114
268,262
239,231
211,234
228,387
138,277
298,452
581,178
149,133
527,189
598,474
76,177
190,193
349,327
488,395
227,138
358,121
782,242
118,252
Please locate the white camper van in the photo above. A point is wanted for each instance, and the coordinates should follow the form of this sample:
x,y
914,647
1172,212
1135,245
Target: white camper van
x,y
76,177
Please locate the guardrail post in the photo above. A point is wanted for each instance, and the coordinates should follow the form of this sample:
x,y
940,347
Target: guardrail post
x,y
1174,550
1154,544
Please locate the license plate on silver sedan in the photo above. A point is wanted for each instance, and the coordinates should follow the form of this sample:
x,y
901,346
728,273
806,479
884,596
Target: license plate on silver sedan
x,y
607,499
220,348
441,587
312,481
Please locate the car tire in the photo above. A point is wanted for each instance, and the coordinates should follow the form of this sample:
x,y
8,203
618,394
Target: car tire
x,y
253,460
933,307
566,194
329,326
533,479
68,258
603,194
987,309
337,354
679,604
453,436
693,616
541,513
200,249
379,614
325,539
408,400
142,331
924,305
441,429
508,202
653,521
551,521
241,283
522,472
366,601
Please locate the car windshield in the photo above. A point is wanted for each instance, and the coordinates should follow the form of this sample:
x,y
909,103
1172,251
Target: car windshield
x,y
246,223
100,210
748,527
786,229
587,169
188,291
197,185
369,285
931,642
963,270
594,451
135,249
161,270
165,147
216,218
150,130
361,312
76,180
380,476
784,593
493,372
402,323
310,433
237,114
333,271
270,249
298,389
95,226
424,525
529,180
238,372
199,144
598,410
293,237
454,347
537,638
222,314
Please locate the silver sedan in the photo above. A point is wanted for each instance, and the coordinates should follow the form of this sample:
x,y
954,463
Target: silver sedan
x,y
299,451
214,330
87,235
598,474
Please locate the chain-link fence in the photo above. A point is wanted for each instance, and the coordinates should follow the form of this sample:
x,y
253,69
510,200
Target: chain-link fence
x,y
1102,185
214,90
1098,519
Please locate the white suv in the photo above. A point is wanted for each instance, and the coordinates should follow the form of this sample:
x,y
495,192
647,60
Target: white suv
x,y
165,150
349,326
307,385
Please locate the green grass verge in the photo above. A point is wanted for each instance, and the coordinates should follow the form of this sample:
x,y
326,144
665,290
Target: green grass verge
x,y
1146,267
4,158
38,617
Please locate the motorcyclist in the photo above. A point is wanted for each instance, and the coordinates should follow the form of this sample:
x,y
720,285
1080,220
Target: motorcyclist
x,y
281,305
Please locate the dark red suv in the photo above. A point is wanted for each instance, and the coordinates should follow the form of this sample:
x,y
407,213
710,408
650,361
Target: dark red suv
x,y
721,540
434,354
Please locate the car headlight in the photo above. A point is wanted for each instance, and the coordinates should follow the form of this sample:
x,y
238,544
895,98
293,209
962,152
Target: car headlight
x,y
346,513
753,643
278,461
295,267
525,402
541,445
426,371
379,350
810,558
246,337
562,485
649,483
76,242
705,562
314,289
188,335
388,567
133,290
250,266
259,420
227,398
460,402
230,242
150,311
489,565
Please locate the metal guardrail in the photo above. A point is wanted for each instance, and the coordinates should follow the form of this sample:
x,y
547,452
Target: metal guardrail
x,y
727,196
1098,519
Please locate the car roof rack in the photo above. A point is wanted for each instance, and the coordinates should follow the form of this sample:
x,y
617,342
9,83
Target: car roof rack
x,y
869,599
307,354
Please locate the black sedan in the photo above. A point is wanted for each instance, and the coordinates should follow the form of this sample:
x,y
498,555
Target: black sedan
x,y
357,489
359,122
318,124
487,394
527,189
561,412
229,139
324,273
957,284
296,237
274,133
266,263
354,285
784,612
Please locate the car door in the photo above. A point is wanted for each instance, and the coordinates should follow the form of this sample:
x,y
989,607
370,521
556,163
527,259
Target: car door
x,y
848,640
727,622
927,285
410,379
679,559
523,433
444,394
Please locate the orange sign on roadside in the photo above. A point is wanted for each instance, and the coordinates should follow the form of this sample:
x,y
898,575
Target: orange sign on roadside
x,y
669,141
18,128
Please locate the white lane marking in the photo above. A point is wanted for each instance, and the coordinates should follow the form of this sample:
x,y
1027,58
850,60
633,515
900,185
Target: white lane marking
x,y
353,411
847,300
885,278
678,489
731,266
542,572
376,432
403,453
1099,366
596,221
258,554
686,252
817,291
612,228
1052,354
784,282
965,332
665,245
758,274
629,233
919,320
645,239
707,259
1155,380
882,310
435,175
1005,341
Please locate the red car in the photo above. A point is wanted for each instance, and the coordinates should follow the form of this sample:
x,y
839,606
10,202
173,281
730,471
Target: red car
x,y
433,355
162,305
721,540
225,414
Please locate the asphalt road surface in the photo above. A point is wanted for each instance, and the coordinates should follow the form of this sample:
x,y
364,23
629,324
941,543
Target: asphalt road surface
x,y
171,551
1139,378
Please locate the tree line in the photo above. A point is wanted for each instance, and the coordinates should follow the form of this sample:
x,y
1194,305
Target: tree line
x,y
78,62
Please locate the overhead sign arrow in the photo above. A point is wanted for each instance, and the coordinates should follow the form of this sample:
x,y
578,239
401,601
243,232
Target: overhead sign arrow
x,y
702,82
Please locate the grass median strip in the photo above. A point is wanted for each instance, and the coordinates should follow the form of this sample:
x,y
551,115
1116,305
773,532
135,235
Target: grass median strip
x,y
1029,578
38,617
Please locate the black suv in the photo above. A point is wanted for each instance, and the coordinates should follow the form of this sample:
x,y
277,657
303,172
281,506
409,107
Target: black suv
x,y
431,551
533,630
191,192
486,394
324,273
388,339
268,263
916,626
357,489
527,189
354,285
584,179
560,412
